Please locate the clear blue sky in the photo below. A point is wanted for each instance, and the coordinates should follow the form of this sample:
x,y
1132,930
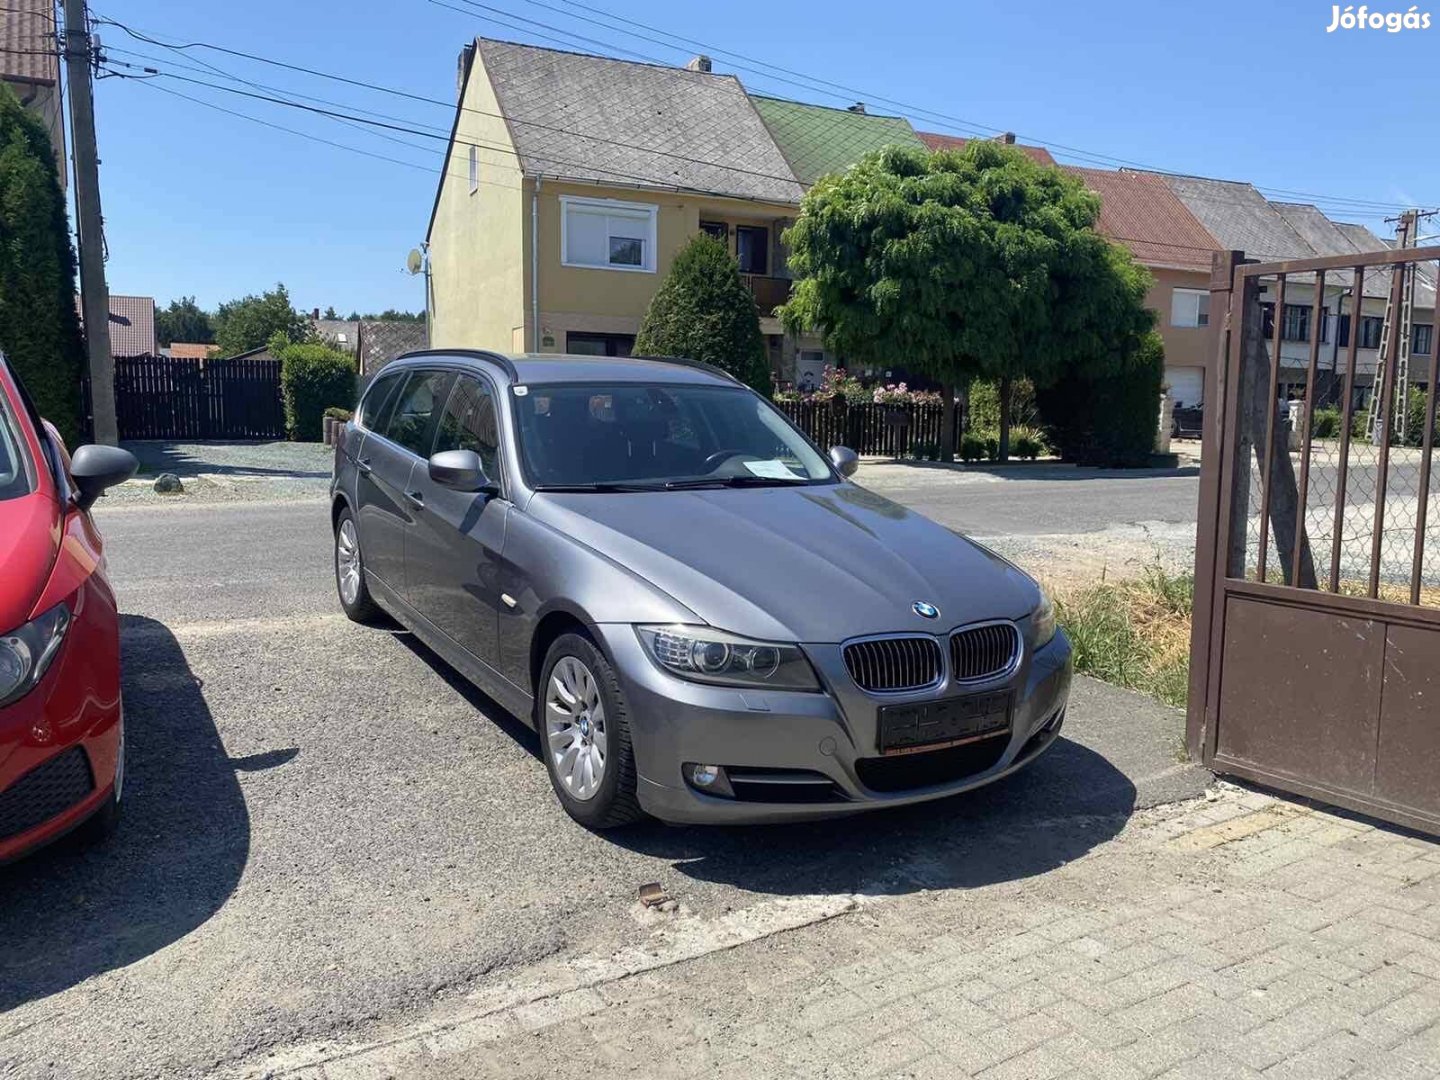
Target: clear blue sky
x,y
198,202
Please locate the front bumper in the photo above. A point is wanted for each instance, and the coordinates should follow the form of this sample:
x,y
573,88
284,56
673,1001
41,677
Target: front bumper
x,y
60,743
815,751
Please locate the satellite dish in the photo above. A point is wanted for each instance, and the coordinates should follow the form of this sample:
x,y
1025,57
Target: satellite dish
x,y
414,261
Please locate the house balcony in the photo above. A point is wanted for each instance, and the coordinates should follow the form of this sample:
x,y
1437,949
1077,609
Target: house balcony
x,y
769,292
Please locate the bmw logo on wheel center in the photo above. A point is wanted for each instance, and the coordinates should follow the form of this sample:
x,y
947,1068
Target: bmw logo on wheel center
x,y
926,611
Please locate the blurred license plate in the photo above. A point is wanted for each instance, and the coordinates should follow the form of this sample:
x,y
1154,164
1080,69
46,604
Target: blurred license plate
x,y
930,725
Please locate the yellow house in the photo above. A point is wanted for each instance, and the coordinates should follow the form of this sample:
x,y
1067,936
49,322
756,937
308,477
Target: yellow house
x,y
571,183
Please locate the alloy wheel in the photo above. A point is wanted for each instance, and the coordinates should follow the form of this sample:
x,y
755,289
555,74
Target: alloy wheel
x,y
347,561
575,727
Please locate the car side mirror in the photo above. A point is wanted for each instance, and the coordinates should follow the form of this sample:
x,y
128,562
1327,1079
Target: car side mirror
x,y
845,460
96,468
461,470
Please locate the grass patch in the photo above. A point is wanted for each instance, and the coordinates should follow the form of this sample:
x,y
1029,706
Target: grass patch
x,y
1134,633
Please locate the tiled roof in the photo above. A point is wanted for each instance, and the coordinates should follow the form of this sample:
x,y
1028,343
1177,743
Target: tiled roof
x,y
191,350
1239,217
955,142
340,332
27,42
643,125
132,325
1141,212
817,140
382,340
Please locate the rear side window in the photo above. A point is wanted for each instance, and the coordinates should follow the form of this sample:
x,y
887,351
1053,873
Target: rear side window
x,y
375,397
411,421
14,473
469,422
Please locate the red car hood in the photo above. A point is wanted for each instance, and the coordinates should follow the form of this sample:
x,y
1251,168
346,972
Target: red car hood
x,y
29,541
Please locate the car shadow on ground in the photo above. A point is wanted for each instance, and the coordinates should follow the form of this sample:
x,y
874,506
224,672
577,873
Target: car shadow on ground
x,y
1048,814
1040,470
72,910
1052,812
180,458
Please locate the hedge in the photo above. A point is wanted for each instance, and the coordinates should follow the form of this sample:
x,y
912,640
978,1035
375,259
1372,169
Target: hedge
x,y
1110,420
314,378
39,327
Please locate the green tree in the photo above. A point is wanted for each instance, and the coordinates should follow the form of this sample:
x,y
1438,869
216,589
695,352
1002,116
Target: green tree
x,y
251,321
39,326
184,320
977,263
703,311
330,313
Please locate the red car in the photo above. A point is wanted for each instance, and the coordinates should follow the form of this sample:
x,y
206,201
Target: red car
x,y
62,733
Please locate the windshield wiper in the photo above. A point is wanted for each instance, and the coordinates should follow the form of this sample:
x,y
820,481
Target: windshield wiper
x,y
732,481
600,487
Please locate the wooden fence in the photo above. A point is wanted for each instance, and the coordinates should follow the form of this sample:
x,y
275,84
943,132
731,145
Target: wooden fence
x,y
867,428
160,397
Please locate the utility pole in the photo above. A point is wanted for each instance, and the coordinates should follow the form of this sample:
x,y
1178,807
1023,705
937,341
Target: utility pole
x,y
94,295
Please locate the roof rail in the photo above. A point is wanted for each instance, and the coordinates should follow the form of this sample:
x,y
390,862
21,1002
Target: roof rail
x,y
685,361
499,359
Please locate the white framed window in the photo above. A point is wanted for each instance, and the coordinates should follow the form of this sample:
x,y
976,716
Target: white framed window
x,y
1189,307
607,234
474,169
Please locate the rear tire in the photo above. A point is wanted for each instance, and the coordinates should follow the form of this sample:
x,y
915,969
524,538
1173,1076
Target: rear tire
x,y
350,582
579,710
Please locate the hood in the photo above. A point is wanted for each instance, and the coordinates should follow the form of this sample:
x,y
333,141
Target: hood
x,y
29,541
811,564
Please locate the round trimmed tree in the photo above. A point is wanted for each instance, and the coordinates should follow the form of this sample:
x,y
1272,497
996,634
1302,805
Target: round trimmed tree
x,y
39,325
704,312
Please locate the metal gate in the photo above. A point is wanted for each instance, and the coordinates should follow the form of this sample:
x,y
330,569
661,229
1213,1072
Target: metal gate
x,y
160,397
1315,655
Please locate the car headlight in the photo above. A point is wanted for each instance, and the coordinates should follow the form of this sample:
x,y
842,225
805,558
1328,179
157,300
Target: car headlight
x,y
26,652
1042,622
713,656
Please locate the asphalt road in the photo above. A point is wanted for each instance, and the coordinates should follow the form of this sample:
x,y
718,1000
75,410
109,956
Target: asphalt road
x,y
326,830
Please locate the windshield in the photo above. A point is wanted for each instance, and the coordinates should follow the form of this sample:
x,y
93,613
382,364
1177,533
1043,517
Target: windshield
x,y
628,435
14,476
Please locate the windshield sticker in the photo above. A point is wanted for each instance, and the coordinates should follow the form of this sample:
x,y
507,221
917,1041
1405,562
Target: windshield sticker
x,y
521,391
773,469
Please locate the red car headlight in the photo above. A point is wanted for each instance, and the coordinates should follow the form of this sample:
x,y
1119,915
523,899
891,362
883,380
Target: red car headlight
x,y
26,652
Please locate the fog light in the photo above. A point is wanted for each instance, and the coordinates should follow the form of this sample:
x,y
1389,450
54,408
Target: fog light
x,y
708,780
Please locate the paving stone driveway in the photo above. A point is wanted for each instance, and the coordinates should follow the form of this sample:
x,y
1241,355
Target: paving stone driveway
x,y
1233,936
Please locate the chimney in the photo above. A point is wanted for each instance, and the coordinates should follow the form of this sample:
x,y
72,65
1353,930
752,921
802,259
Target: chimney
x,y
1008,138
462,66
858,107
699,63
315,315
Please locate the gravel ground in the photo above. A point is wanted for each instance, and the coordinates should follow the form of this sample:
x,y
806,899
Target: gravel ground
x,y
228,472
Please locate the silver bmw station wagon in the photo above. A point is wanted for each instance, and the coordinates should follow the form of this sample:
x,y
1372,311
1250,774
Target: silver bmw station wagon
x,y
702,617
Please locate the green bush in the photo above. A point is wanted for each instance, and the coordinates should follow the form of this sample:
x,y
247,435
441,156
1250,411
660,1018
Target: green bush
x,y
313,378
1326,423
982,401
39,327
1109,420
980,446
703,311
1028,443
335,412
922,450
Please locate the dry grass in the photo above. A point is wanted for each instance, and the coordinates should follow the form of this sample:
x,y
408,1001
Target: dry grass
x,y
1134,633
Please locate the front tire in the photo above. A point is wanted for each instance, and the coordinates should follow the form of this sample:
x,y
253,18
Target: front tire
x,y
102,824
584,729
350,583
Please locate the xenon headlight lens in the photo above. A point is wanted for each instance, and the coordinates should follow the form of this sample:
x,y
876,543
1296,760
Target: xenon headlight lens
x,y
713,656
26,652
1042,621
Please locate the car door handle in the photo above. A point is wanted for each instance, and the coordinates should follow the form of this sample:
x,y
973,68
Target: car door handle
x,y
362,466
416,499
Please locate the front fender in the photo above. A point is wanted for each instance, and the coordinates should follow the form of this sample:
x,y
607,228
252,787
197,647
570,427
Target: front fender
x,y
543,571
